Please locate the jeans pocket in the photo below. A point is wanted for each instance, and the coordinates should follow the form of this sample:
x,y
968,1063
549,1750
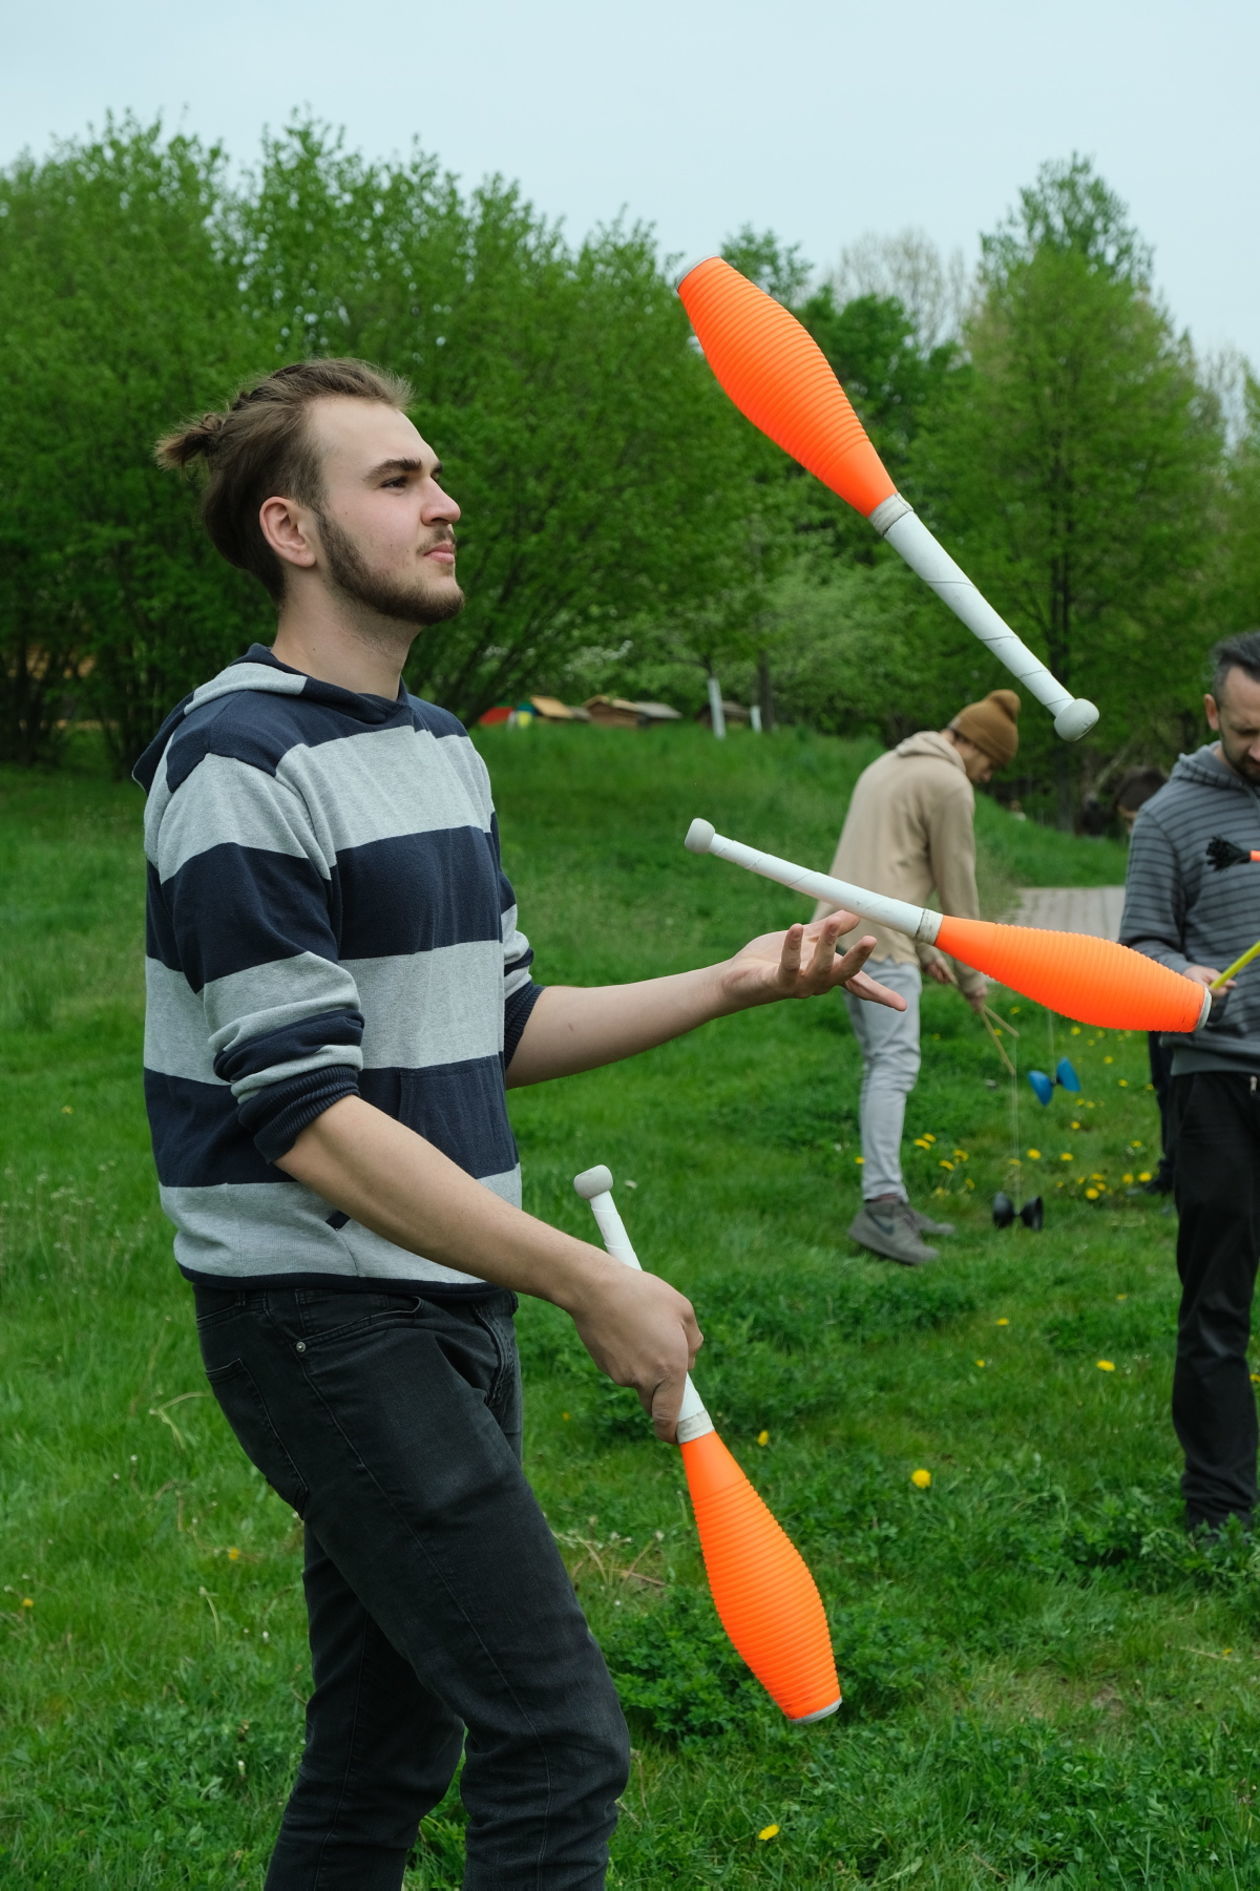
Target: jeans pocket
x,y
246,1411
503,1396
325,1319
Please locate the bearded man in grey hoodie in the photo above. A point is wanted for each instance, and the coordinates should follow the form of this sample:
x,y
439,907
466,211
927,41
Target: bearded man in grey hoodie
x,y
909,832
1185,912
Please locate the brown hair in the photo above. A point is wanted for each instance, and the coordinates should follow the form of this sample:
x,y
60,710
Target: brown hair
x,y
260,445
1241,651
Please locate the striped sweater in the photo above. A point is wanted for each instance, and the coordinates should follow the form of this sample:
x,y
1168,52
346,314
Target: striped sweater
x,y
327,917
1180,910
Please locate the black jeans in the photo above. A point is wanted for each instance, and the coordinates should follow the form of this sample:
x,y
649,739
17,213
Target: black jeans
x,y
441,1613
1214,1125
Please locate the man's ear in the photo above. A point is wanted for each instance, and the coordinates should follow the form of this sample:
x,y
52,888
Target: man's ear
x,y
1211,709
289,529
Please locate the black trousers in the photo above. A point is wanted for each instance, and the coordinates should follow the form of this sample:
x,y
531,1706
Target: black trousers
x,y
441,1613
1214,1124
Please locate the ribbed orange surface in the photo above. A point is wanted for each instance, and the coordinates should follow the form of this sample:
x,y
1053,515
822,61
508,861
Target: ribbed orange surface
x,y
1092,980
763,1592
778,376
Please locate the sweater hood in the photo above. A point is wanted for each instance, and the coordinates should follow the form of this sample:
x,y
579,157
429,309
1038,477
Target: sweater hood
x,y
1206,768
931,742
260,672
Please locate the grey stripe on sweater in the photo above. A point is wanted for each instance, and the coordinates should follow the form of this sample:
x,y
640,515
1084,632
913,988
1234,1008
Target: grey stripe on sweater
x,y
1180,910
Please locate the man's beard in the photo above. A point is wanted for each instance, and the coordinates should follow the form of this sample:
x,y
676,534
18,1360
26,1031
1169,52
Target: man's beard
x,y
415,603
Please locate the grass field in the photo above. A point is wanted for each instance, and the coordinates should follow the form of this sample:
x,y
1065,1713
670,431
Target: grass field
x,y
1046,1684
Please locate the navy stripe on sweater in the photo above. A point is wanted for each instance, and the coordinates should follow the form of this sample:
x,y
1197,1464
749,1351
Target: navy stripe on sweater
x,y
327,917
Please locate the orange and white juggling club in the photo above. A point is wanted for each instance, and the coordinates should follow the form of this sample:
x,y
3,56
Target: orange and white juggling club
x,y
1094,981
780,379
763,1592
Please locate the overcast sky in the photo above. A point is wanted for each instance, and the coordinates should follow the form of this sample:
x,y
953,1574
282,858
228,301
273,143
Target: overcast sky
x,y
820,119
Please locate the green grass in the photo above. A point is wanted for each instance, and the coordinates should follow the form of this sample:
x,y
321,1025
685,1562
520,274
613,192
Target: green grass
x,y
1046,1684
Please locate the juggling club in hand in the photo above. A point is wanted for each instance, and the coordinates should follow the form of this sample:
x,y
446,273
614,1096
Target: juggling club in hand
x,y
764,1594
1094,981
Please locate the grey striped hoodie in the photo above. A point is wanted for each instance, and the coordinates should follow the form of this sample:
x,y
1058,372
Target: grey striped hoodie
x,y
1181,910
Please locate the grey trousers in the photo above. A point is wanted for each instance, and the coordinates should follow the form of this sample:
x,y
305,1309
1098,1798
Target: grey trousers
x,y
889,1043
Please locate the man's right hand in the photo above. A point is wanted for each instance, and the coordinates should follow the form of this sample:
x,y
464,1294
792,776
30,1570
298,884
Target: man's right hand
x,y
1204,975
642,1333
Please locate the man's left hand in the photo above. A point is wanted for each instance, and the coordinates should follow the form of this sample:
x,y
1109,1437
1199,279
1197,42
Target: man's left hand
x,y
804,962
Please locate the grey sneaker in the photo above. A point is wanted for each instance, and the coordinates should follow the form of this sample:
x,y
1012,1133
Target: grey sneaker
x,y
888,1228
924,1224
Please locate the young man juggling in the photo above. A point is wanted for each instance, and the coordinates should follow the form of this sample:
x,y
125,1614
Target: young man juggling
x,y
339,998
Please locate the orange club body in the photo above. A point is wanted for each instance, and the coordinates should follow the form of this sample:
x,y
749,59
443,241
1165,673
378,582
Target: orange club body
x,y
781,380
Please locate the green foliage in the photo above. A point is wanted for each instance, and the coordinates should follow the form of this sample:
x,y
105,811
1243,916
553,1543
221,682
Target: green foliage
x,y
678,1676
599,467
1047,1683
118,297
1072,468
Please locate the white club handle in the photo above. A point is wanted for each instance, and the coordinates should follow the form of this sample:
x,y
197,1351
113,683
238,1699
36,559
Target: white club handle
x,y
702,838
897,521
595,1186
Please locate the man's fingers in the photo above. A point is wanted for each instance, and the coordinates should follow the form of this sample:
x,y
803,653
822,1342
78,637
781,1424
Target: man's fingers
x,y
864,986
663,1403
790,957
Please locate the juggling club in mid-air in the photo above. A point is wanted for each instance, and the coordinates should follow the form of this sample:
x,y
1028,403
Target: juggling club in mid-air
x,y
1094,981
764,1594
779,378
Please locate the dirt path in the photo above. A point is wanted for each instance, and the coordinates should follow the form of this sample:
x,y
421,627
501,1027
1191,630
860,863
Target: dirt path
x,y
1092,909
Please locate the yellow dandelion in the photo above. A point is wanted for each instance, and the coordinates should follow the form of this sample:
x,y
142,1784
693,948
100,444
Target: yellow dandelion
x,y
921,1479
565,1416
942,1164
1106,1365
1109,1060
28,1602
928,1136
1255,1378
980,1362
921,1142
1122,1296
1126,1179
1076,1030
859,1160
1091,1195
1034,1155
763,1437
1144,1175
234,1555
1067,1156
1074,1125
1002,1322
1123,1082
67,1109
768,1831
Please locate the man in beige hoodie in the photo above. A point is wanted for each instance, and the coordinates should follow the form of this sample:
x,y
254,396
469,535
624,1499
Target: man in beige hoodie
x,y
909,832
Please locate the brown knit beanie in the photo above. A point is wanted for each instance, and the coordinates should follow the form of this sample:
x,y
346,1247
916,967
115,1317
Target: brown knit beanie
x,y
991,725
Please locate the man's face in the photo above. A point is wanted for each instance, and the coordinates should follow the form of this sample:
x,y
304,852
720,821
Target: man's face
x,y
385,525
1235,715
978,765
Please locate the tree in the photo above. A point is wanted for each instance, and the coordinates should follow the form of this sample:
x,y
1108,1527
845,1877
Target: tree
x,y
1073,466
601,471
1236,592
908,268
118,295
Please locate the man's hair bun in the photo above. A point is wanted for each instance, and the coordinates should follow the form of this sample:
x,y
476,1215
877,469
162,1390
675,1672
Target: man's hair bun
x,y
197,441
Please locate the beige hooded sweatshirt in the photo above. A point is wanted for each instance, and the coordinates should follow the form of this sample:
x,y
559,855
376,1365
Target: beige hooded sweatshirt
x,y
908,832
